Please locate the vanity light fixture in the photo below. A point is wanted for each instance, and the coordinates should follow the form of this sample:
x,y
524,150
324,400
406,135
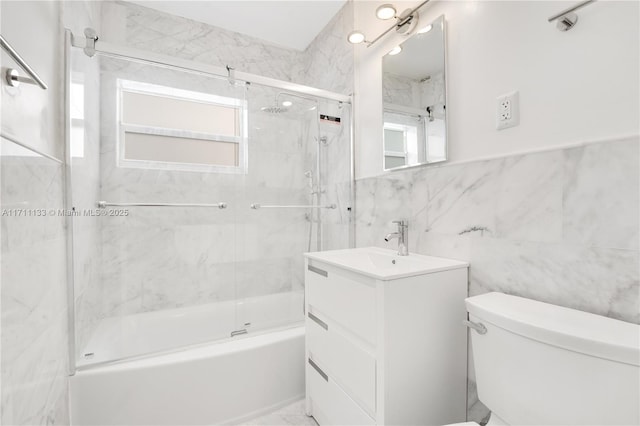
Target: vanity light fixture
x,y
386,11
405,24
395,51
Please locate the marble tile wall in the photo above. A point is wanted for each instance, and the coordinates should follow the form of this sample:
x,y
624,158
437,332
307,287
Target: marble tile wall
x,y
559,226
35,312
147,29
34,290
328,62
405,91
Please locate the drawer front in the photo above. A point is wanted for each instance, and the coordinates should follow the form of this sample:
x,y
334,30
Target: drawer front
x,y
352,367
343,299
330,405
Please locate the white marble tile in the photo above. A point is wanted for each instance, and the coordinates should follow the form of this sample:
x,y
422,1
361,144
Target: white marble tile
x,y
33,304
598,280
37,381
378,203
328,61
462,198
601,198
529,198
159,32
476,410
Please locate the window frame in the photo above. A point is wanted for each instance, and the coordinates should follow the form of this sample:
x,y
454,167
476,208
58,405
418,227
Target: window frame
x,y
131,86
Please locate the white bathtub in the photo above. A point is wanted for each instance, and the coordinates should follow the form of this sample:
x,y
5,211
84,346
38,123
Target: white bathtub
x,y
225,381
159,331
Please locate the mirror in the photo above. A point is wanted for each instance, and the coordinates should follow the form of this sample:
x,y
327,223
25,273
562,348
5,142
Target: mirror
x,y
414,99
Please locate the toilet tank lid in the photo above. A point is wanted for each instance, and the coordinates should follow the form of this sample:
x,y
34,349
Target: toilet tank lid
x,y
567,328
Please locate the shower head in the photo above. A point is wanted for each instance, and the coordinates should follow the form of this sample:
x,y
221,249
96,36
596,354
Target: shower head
x,y
274,109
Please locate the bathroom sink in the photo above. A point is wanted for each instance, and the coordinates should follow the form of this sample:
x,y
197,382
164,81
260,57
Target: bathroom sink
x,y
384,264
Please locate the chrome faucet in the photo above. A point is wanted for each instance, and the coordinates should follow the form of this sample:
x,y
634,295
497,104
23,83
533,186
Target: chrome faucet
x,y
402,236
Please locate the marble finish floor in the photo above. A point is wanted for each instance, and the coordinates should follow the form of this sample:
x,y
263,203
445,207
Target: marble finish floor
x,y
292,414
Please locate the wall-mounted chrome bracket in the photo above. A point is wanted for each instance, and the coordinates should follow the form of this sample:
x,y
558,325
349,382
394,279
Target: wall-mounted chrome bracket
x,y
231,72
567,19
91,37
13,78
12,75
566,22
88,44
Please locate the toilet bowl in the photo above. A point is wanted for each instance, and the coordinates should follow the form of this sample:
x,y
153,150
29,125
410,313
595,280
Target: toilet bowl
x,y
541,364
494,420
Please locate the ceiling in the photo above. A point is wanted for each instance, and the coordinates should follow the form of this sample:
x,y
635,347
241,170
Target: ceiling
x,y
288,23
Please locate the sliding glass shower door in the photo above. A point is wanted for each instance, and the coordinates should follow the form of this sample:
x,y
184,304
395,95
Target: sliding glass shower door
x,y
155,263
194,200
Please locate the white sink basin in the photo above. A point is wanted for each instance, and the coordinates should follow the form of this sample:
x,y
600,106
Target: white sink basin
x,y
384,264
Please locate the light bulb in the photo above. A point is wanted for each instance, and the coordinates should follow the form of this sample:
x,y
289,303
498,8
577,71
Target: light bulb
x,y
355,37
395,51
425,29
386,11
287,103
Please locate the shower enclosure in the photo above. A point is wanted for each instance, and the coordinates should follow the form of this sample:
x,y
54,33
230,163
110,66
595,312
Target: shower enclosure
x,y
193,195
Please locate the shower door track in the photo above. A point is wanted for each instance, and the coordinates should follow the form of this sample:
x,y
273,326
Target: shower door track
x,y
198,67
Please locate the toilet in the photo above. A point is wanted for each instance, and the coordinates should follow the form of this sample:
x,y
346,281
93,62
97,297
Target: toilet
x,y
541,364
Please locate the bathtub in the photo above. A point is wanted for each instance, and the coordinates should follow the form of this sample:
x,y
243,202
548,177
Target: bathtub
x,y
225,381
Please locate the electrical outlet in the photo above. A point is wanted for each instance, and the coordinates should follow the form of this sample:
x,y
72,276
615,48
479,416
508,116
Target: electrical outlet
x,y
508,111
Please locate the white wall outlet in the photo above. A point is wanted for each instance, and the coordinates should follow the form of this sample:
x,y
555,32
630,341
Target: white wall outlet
x,y
508,111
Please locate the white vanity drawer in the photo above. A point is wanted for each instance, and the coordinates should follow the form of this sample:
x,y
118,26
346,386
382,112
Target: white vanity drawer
x,y
345,299
347,363
330,405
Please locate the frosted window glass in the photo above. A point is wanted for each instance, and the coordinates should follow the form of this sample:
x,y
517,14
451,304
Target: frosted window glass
x,y
394,140
391,162
140,146
181,114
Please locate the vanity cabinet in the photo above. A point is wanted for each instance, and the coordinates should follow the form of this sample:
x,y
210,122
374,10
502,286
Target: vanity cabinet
x,y
385,340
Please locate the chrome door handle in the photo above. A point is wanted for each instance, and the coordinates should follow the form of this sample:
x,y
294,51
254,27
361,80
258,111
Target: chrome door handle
x,y
477,326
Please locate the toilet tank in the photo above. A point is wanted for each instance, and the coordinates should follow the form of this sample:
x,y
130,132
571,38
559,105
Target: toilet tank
x,y
541,364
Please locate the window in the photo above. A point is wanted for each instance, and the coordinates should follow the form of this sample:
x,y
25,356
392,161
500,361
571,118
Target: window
x,y
395,147
400,145
166,128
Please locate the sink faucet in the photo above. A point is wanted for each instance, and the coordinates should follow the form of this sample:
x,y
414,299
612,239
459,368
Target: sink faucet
x,y
401,235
